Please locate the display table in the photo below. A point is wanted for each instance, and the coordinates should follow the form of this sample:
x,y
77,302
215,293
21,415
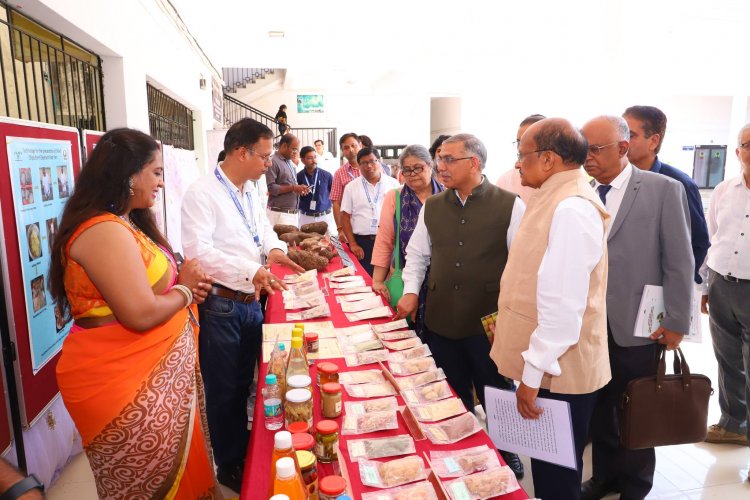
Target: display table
x,y
257,462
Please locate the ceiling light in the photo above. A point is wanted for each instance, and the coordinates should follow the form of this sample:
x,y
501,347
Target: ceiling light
x,y
276,34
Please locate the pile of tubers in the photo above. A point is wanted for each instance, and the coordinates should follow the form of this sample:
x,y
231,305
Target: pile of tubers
x,y
315,250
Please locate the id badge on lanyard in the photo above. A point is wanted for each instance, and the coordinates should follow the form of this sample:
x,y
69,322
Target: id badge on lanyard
x,y
251,226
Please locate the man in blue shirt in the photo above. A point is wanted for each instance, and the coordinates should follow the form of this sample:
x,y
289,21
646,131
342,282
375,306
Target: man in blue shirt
x,y
315,206
647,128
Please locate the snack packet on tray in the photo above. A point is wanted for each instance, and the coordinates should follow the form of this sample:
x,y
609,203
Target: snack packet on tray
x,y
365,358
397,335
392,473
370,406
417,491
391,446
376,390
487,484
361,377
422,351
427,393
369,422
451,430
393,325
420,379
456,463
412,366
440,410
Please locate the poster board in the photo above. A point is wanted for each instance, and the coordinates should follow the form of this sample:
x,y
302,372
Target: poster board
x,y
180,171
37,173
89,138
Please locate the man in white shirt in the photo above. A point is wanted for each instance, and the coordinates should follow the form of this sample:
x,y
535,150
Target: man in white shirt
x,y
325,159
551,330
726,297
224,226
510,180
361,204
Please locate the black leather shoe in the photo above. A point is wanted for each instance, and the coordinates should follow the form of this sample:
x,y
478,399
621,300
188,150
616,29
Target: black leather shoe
x,y
513,462
594,490
231,477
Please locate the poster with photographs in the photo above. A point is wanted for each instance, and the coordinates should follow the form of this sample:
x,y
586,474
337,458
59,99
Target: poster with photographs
x,y
41,175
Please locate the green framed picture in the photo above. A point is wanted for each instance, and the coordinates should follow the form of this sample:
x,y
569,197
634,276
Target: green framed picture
x,y
310,103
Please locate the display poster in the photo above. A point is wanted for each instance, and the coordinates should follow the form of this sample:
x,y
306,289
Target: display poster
x,y
180,171
41,177
310,103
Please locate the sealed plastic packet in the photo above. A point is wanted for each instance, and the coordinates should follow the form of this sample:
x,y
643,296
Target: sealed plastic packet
x,y
378,312
487,484
347,291
391,446
392,473
344,271
440,410
343,279
369,422
352,330
376,390
393,325
371,405
303,303
412,366
348,284
361,377
427,393
365,358
362,305
353,297
397,335
315,312
417,491
365,345
422,351
455,463
400,345
451,430
299,278
420,379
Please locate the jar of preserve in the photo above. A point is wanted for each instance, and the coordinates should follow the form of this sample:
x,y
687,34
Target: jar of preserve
x,y
311,342
326,441
299,382
327,372
298,407
308,465
303,442
330,395
298,428
331,487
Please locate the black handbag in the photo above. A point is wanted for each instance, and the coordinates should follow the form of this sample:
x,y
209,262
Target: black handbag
x,y
665,409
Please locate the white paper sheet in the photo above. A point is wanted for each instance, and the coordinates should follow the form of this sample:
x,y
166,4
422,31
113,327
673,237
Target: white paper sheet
x,y
651,311
549,438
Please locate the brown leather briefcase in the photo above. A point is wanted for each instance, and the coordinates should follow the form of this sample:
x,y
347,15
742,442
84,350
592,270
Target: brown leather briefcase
x,y
665,409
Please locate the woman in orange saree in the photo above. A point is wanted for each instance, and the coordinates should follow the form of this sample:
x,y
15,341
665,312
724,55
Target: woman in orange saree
x,y
128,373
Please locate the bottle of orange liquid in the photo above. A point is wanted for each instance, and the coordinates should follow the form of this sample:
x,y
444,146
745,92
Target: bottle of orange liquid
x,y
282,448
287,480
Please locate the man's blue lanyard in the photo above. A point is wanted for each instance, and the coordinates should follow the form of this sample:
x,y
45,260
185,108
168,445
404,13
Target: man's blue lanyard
x,y
350,172
250,225
315,182
367,192
294,172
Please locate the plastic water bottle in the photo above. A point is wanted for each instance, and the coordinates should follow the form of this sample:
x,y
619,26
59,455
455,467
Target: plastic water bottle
x,y
272,410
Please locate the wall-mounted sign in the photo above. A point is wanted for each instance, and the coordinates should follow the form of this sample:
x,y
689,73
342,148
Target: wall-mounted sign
x,y
310,103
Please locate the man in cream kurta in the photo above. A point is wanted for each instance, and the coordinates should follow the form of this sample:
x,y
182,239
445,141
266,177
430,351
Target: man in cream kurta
x,y
551,331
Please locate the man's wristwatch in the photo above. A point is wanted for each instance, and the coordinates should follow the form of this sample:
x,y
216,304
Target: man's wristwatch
x,y
26,484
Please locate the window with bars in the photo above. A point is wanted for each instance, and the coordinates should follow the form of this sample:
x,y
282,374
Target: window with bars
x,y
170,122
47,78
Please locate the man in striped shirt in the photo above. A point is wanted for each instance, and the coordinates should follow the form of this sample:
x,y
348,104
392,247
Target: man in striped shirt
x,y
350,146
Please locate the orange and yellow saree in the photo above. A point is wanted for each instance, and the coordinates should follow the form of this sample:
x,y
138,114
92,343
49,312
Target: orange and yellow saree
x,y
136,397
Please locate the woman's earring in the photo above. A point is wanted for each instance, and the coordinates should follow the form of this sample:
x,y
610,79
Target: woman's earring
x,y
131,183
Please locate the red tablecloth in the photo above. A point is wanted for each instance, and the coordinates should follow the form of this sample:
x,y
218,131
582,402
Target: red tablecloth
x,y
257,461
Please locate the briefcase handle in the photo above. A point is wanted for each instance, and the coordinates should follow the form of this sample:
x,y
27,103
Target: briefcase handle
x,y
680,367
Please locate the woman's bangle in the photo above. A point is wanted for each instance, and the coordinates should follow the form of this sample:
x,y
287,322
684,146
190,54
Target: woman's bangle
x,y
185,291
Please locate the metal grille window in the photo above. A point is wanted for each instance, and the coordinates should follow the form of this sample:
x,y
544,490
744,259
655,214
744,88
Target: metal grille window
x,y
170,122
47,78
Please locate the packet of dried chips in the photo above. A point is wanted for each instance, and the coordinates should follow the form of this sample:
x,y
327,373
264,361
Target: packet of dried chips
x,y
347,291
348,284
362,346
362,305
440,410
392,473
315,312
390,446
420,379
451,430
412,366
344,271
393,325
378,312
487,484
369,422
427,393
417,352
417,491
397,335
456,463
365,358
371,405
400,345
305,302
353,330
376,390
353,297
310,275
343,279
361,377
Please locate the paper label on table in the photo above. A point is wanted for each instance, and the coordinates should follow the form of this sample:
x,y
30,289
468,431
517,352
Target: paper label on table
x,y
452,465
362,305
283,331
380,312
548,438
459,491
357,448
651,313
328,348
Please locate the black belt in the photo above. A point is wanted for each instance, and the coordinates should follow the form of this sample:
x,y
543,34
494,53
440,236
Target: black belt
x,y
315,214
284,210
230,294
365,236
732,279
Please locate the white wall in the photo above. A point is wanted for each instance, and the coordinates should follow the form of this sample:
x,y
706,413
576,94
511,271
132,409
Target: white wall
x,y
445,116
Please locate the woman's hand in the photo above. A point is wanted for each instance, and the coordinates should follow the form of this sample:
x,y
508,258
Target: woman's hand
x,y
193,277
379,287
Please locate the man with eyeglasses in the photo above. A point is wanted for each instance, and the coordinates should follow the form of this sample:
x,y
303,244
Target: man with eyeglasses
x,y
726,297
315,205
224,225
463,234
361,204
283,190
648,244
350,146
511,179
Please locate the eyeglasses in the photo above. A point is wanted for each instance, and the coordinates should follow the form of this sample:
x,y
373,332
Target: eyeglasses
x,y
521,155
449,160
595,150
370,163
407,171
745,146
265,158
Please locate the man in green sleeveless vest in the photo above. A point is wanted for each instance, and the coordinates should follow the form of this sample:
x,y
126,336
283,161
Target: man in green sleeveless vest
x,y
463,234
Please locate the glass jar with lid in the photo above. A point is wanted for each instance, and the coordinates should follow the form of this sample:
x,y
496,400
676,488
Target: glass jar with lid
x,y
308,465
311,342
330,395
326,441
303,442
331,487
298,407
327,372
299,382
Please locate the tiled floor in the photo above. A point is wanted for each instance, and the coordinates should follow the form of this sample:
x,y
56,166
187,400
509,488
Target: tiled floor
x,y
688,472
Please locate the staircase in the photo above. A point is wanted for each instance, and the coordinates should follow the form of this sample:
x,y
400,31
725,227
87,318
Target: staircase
x,y
240,78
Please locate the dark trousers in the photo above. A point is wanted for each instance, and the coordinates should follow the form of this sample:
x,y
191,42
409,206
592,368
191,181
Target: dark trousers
x,y
466,363
367,243
633,470
729,322
553,481
229,342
